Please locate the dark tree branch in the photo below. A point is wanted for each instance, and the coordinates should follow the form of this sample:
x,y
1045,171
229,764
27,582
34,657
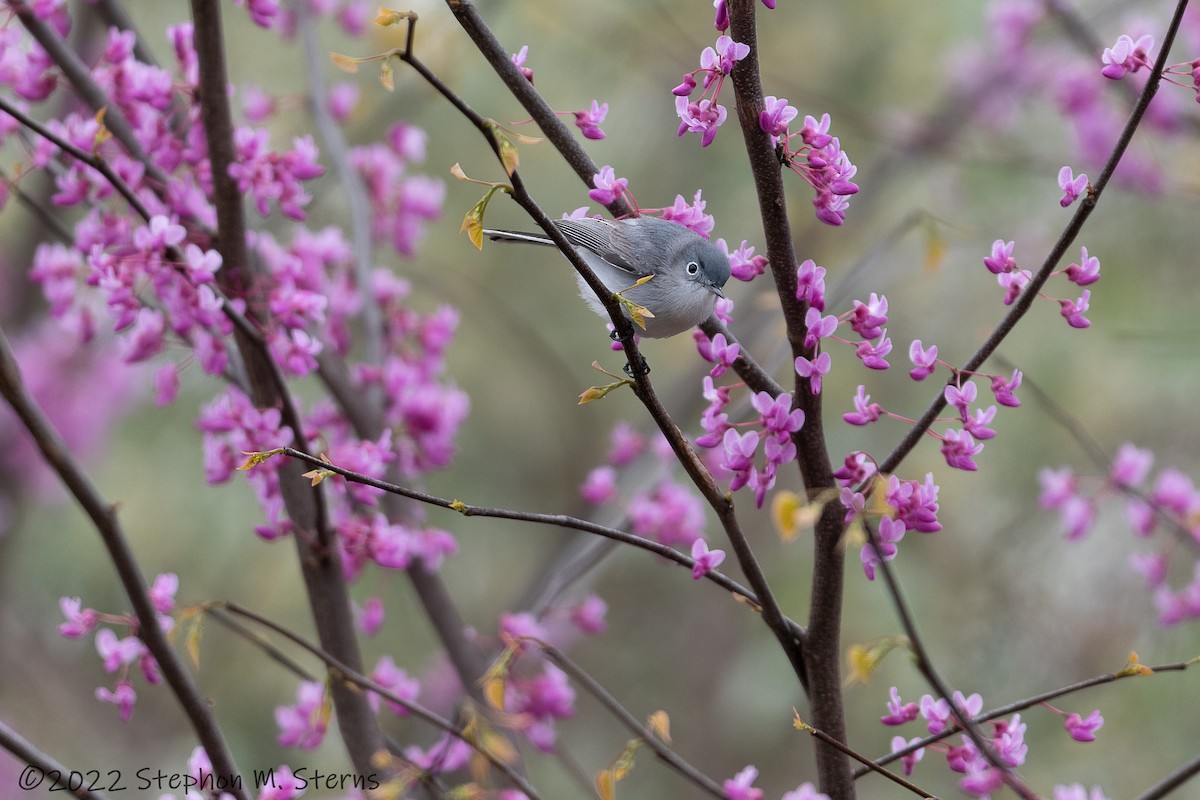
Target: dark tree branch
x,y
328,596
822,642
1065,240
103,516
33,758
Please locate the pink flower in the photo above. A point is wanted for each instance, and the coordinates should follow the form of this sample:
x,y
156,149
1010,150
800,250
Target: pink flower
x,y
608,187
122,696
1071,185
79,621
740,786
705,560
1084,730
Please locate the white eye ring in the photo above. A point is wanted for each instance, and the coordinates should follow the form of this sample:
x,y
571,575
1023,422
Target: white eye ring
x,y
693,268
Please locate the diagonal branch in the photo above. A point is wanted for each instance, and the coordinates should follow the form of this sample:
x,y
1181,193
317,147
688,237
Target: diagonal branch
x,y
325,582
104,518
1065,240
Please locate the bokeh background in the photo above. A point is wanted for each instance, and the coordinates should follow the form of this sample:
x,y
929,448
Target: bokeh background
x,y
948,162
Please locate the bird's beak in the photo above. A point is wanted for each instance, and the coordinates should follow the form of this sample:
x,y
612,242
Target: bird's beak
x,y
712,287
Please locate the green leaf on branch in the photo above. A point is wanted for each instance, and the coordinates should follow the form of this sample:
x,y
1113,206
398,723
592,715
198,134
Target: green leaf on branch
x,y
472,224
637,313
255,458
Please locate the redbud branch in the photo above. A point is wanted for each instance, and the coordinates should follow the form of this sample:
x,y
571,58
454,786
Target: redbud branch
x,y
104,517
349,676
554,520
320,564
1029,702
925,667
1066,239
25,752
1189,770
869,765
822,643
580,676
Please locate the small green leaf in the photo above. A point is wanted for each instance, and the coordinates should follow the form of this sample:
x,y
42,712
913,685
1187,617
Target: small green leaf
x,y
597,392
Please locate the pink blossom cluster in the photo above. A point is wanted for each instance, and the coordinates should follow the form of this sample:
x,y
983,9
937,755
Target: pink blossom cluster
x,y
1006,737
819,158
402,201
665,511
1000,72
704,115
119,653
1169,504
911,506
1014,279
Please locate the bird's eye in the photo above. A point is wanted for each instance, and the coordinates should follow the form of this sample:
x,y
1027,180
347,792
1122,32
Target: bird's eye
x,y
693,268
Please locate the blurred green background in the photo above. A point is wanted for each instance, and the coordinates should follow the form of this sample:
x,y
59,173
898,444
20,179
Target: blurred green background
x,y
1007,606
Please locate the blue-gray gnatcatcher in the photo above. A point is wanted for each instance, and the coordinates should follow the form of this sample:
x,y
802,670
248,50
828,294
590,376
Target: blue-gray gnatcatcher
x,y
688,270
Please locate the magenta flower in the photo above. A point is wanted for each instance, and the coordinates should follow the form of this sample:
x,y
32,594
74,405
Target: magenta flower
x,y
743,264
740,787
1001,260
122,696
117,653
868,319
1003,389
1084,730
518,59
1126,56
303,725
959,449
1130,466
908,762
396,681
1072,310
1071,185
162,592
818,327
899,712
890,532
814,370
961,398
702,118
1086,272
924,361
588,120
588,616
690,215
79,621
775,117
865,412
810,284
371,615
608,186
705,560
600,486
874,356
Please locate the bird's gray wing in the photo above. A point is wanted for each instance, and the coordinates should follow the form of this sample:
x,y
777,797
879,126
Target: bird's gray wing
x,y
604,238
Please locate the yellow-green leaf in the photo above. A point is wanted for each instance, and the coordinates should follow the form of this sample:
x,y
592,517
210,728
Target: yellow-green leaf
x,y
256,458
660,723
345,63
387,16
387,76
597,392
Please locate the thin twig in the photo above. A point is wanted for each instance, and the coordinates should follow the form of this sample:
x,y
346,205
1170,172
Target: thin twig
x,y
38,766
631,723
317,551
1065,240
353,677
1028,702
871,766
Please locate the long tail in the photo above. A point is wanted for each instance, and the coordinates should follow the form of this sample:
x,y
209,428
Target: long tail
x,y
517,236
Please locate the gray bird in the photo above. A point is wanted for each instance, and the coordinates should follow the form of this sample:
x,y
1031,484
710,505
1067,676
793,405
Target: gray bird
x,y
688,269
